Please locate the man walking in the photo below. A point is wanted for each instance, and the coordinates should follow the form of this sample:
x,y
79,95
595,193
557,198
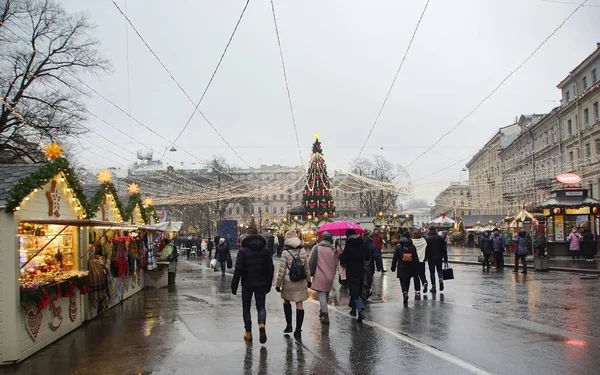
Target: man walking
x,y
353,258
323,265
254,266
435,254
378,242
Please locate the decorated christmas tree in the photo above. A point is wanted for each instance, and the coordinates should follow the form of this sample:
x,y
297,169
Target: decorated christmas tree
x,y
317,197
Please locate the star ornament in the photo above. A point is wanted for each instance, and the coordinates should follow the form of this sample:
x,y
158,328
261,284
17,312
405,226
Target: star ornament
x,y
148,201
133,188
54,199
53,151
104,176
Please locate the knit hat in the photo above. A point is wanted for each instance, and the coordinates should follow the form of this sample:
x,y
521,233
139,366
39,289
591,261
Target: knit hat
x,y
290,234
326,236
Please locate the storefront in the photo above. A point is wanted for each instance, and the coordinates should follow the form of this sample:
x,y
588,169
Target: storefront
x,y
41,234
567,209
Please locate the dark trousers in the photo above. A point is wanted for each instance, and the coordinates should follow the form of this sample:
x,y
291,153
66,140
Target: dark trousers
x,y
420,277
486,260
499,259
433,266
523,259
379,262
260,295
355,286
405,284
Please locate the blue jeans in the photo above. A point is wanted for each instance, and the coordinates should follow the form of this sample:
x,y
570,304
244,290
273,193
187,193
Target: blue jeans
x,y
432,267
260,296
223,266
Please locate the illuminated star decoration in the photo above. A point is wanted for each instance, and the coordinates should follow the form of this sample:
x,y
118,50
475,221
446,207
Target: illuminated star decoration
x,y
133,188
104,176
54,199
148,201
53,151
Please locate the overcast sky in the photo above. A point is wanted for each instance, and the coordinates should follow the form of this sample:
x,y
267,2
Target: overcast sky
x,y
341,57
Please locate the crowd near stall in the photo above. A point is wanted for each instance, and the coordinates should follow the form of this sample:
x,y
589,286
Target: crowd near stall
x,y
67,253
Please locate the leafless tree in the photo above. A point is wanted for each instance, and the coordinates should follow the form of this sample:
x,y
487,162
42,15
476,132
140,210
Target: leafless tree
x,y
372,199
416,203
43,51
220,173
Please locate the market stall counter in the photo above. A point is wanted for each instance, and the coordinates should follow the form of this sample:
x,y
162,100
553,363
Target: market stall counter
x,y
159,276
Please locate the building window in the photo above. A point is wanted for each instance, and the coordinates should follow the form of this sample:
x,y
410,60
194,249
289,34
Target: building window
x,y
588,150
598,146
596,114
586,117
237,210
568,96
260,210
571,159
259,199
230,211
274,197
281,209
570,127
594,76
584,81
267,209
281,197
252,210
297,197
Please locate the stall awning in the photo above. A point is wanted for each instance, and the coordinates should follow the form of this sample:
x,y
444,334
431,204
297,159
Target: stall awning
x,y
571,202
81,223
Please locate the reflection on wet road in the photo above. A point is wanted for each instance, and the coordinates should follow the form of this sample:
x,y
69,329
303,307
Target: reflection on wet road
x,y
484,322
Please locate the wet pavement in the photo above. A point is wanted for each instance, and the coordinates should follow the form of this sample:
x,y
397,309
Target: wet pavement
x,y
484,322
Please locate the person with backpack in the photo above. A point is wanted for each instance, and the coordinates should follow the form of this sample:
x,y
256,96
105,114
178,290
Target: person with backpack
x,y
419,277
499,245
254,267
406,262
353,258
293,280
521,251
323,264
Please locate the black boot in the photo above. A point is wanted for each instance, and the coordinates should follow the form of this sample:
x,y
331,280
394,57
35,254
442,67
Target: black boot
x,y
287,309
299,321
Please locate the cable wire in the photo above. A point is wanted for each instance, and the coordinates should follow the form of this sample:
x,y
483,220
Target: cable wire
x,y
499,85
287,86
213,75
412,38
178,84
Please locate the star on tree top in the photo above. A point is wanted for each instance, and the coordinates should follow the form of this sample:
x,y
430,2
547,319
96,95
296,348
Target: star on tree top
x,y
53,151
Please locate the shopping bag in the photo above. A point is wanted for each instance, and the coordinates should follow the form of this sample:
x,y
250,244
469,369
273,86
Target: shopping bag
x,y
229,263
480,258
213,264
448,273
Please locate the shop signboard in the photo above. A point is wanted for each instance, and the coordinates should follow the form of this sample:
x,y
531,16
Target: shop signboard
x,y
568,178
578,211
559,229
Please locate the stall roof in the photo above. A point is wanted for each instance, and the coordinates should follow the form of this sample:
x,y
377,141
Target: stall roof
x,y
570,202
10,174
471,220
81,223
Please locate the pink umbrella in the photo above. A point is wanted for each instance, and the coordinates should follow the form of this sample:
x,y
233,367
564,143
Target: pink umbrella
x,y
338,228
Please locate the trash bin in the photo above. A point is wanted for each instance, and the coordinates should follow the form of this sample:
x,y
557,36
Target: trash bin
x,y
540,264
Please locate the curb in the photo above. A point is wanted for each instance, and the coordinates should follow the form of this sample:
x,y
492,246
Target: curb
x,y
529,267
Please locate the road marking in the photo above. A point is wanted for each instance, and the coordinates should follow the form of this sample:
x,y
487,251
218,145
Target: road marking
x,y
418,344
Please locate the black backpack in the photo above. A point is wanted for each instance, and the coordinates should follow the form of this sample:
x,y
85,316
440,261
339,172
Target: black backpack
x,y
297,271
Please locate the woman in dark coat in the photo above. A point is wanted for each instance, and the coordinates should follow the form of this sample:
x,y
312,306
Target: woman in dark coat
x,y
588,245
406,262
353,258
223,255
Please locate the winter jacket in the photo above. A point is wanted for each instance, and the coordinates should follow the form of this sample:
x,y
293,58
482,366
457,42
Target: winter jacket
x,y
295,291
271,242
164,256
421,246
323,264
521,247
373,255
254,264
222,253
353,258
499,244
486,244
405,269
437,250
209,245
574,239
378,241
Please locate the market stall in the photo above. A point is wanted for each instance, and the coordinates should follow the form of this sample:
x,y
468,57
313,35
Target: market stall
x,y
156,274
41,235
568,208
116,254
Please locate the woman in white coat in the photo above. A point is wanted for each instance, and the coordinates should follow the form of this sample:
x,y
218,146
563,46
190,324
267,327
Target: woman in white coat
x,y
293,291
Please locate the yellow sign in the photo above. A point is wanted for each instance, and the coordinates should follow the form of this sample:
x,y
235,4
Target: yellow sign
x,y
266,215
546,212
578,211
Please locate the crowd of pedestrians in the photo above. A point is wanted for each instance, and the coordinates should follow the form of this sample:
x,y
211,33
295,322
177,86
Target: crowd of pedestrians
x,y
359,258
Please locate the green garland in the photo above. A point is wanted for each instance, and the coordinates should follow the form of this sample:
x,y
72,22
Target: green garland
x,y
136,199
95,202
42,176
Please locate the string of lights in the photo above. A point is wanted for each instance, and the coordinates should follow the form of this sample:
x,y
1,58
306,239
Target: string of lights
x,y
488,96
387,96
